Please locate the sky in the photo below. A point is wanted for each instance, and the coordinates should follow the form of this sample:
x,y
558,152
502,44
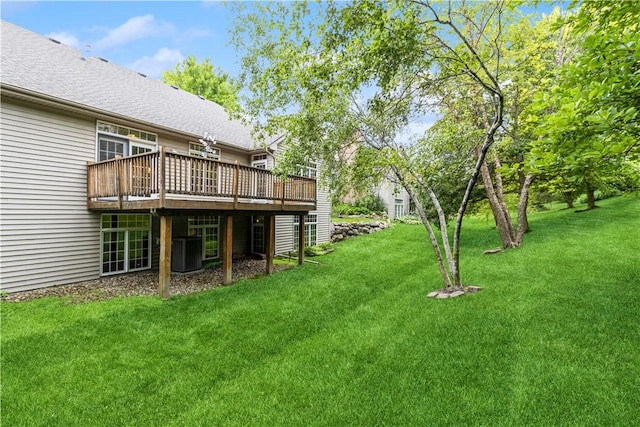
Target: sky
x,y
148,37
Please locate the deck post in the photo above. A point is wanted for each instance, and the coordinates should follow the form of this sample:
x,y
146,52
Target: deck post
x,y
270,238
236,184
227,249
301,239
161,175
164,281
118,165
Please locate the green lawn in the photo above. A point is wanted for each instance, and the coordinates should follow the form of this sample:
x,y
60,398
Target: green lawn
x,y
553,339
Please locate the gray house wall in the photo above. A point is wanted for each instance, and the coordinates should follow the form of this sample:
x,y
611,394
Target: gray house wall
x,y
47,235
389,192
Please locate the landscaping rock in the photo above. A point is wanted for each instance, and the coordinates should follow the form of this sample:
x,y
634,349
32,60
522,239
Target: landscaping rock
x,y
144,283
342,230
443,294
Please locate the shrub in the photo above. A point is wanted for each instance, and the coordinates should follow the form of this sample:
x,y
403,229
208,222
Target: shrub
x,y
372,203
348,209
408,219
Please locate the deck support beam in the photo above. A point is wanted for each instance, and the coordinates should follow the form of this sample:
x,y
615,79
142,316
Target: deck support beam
x,y
270,240
301,239
164,280
227,249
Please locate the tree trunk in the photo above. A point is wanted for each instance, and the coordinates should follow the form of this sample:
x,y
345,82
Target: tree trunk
x,y
523,221
568,198
447,276
500,212
591,198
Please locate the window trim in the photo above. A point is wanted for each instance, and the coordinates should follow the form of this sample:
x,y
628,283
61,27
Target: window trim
x,y
203,226
127,241
310,221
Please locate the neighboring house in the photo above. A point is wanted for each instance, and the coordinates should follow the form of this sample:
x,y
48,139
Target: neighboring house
x,y
101,168
395,198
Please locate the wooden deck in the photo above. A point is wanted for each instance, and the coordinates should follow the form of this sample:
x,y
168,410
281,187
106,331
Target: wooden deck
x,y
172,184
168,181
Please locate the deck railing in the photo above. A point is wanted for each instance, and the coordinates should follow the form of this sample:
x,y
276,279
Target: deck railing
x,y
161,174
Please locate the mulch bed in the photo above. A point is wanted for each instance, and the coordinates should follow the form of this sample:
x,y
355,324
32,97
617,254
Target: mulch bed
x,y
144,283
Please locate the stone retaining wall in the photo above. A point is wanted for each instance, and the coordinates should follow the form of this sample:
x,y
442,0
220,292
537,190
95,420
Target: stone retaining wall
x,y
343,230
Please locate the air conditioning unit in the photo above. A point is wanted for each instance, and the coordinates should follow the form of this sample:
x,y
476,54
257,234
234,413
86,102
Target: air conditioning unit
x,y
186,254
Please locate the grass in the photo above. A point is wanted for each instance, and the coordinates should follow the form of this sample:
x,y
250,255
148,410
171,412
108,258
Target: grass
x,y
552,339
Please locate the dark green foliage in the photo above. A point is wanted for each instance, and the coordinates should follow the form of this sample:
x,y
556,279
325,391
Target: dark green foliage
x,y
372,203
348,209
368,205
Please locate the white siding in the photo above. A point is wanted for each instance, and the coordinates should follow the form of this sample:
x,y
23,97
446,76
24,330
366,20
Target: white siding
x,y
47,235
323,210
284,234
284,224
389,192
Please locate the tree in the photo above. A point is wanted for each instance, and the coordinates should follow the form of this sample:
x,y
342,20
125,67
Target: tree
x,y
593,128
357,74
201,78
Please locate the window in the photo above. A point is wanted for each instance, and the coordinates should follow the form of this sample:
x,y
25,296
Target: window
x,y
110,148
204,174
207,227
258,243
114,141
399,208
126,132
125,243
310,231
309,170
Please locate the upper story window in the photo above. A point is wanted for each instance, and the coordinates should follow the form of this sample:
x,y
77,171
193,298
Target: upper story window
x,y
126,132
309,170
119,141
196,149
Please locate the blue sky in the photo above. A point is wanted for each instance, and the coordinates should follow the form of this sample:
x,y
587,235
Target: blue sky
x,y
149,37
146,36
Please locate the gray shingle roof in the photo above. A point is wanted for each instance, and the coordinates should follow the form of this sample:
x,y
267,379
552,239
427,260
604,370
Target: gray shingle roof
x,y
35,63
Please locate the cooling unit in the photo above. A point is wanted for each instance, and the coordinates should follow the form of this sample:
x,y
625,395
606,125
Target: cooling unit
x,y
186,254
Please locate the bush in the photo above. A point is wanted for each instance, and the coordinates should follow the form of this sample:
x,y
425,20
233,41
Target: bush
x,y
408,219
344,209
372,203
317,250
368,205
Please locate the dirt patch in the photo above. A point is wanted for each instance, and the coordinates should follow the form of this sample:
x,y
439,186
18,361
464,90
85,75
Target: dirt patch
x,y
145,283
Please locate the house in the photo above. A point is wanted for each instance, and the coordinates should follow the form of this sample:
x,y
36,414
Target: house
x,y
396,200
105,171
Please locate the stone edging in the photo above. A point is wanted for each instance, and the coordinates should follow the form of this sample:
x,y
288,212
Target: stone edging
x,y
344,230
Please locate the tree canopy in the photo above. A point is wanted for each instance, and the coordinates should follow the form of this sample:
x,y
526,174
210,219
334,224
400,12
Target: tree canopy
x,y
202,78
591,126
347,82
347,79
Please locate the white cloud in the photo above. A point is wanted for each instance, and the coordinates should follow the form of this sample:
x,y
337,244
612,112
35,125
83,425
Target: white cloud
x,y
153,66
65,38
135,28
